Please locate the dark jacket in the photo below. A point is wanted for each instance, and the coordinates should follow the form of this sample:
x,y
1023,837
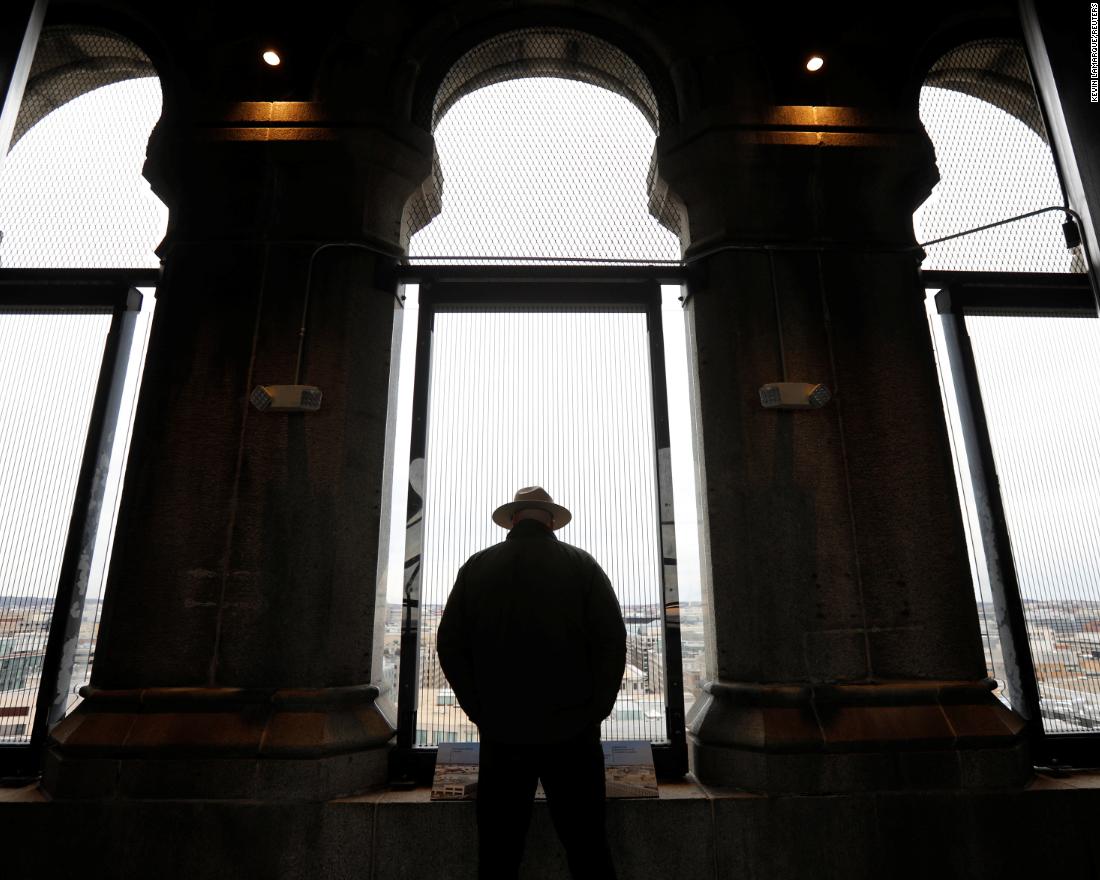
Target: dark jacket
x,y
532,639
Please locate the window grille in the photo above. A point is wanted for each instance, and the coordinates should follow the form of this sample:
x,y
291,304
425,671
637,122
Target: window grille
x,y
1036,374
71,188
404,558
979,107
72,196
550,159
592,362
51,362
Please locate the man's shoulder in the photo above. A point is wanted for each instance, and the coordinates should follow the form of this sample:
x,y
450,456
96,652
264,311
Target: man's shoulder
x,y
487,553
577,553
545,549
583,563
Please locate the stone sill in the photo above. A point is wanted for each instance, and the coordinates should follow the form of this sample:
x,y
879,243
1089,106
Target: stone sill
x,y
675,791
689,789
696,831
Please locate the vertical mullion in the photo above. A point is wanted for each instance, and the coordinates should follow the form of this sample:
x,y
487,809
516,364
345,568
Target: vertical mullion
x,y
414,533
78,520
1011,597
670,607
100,445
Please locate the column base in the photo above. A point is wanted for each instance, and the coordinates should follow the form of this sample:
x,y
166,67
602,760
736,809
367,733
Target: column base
x,y
219,743
818,739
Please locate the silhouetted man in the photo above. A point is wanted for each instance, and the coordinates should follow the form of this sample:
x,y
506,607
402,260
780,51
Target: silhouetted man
x,y
533,643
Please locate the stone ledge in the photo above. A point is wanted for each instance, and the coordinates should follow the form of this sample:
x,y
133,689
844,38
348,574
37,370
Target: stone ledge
x,y
692,831
213,779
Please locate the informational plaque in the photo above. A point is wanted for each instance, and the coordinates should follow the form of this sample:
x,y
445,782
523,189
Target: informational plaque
x,y
456,772
628,769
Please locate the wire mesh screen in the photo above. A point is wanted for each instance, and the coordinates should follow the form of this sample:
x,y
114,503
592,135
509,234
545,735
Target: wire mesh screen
x,y
558,397
545,145
71,188
980,110
53,360
1037,376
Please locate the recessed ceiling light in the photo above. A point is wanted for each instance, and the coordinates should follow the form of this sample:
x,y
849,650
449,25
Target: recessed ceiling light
x,y
272,58
815,63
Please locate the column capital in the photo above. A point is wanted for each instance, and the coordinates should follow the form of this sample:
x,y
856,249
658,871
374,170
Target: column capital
x,y
799,174
289,170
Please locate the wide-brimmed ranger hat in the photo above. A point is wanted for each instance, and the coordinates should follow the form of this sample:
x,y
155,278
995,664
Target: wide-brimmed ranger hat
x,y
528,498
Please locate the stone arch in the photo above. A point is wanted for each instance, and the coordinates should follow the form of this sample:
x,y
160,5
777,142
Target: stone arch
x,y
543,51
72,60
547,52
77,61
994,70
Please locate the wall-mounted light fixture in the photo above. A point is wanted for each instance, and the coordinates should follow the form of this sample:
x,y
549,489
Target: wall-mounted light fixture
x,y
794,395
296,397
815,63
286,398
272,58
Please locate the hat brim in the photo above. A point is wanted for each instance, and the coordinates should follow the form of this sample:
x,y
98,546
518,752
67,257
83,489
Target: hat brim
x,y
502,516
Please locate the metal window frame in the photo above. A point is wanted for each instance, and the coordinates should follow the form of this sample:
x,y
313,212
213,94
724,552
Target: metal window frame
x,y
1029,294
556,285
103,291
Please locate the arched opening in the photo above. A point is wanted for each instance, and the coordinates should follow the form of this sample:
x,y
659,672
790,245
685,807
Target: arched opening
x,y
72,198
544,141
1013,352
544,145
71,187
979,107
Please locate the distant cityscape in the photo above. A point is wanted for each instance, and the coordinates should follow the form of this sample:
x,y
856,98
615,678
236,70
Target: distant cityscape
x,y
24,629
1064,638
1065,646
639,713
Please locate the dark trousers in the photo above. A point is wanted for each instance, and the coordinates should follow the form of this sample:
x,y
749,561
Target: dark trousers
x,y
572,777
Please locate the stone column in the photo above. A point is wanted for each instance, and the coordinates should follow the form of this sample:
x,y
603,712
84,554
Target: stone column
x,y
844,643
235,653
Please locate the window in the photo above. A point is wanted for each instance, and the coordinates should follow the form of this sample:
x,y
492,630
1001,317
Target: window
x,y
1013,341
979,108
547,173
72,196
